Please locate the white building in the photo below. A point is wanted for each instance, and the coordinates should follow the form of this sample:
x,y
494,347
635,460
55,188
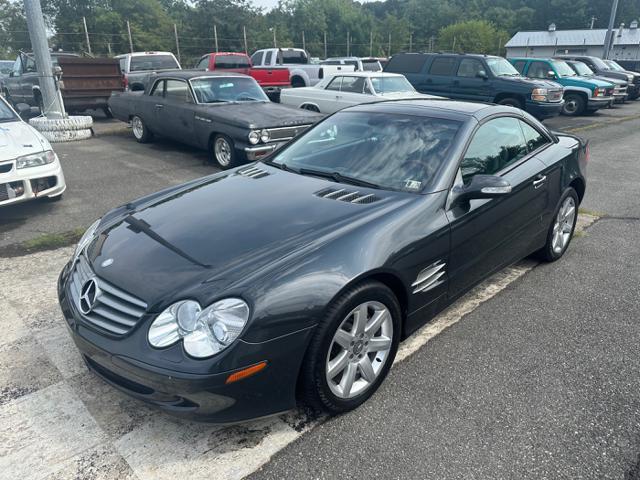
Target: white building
x,y
626,43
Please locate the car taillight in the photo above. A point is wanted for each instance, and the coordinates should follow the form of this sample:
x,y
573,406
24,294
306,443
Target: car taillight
x,y
125,82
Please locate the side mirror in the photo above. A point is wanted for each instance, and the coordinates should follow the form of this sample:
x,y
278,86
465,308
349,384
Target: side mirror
x,y
23,108
482,74
551,74
481,186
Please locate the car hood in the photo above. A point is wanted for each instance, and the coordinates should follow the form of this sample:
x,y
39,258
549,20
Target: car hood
x,y
18,138
533,82
255,115
226,231
585,82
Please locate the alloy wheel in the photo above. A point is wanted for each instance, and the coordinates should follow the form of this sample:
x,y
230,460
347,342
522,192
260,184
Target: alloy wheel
x,y
222,151
359,350
138,128
563,226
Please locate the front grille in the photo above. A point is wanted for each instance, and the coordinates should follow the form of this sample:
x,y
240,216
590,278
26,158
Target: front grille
x,y
609,92
554,95
344,195
6,167
114,310
4,193
620,90
285,133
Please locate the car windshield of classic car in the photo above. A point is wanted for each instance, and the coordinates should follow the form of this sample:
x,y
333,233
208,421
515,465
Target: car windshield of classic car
x,y
383,85
380,150
227,89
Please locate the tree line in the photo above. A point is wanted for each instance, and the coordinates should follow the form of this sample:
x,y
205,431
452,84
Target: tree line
x,y
337,26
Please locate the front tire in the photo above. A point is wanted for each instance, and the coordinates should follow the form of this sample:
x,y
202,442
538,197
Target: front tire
x,y
562,227
574,105
222,152
511,102
140,130
352,349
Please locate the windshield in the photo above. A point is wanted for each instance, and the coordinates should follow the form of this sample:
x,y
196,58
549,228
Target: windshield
x,y
614,66
390,151
227,89
232,61
599,64
153,62
384,85
6,114
501,67
582,69
563,69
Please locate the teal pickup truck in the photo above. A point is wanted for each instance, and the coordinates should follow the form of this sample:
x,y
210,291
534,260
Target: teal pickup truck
x,y
581,94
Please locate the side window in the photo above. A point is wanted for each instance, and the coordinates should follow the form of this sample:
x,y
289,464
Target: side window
x,y
256,58
334,84
176,90
267,60
495,145
123,64
519,65
203,64
538,70
533,137
443,66
470,67
158,89
353,84
17,67
30,64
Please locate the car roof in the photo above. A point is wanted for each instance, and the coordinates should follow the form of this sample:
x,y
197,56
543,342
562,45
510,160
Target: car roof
x,y
445,54
367,74
143,54
455,110
189,74
538,59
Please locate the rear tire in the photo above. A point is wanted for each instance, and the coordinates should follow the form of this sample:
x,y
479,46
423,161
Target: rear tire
x,y
574,104
297,82
562,227
140,131
311,108
343,368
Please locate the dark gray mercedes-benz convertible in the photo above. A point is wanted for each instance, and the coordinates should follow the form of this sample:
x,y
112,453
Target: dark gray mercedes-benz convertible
x,y
235,295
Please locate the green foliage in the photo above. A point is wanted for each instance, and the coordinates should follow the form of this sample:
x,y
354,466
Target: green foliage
x,y
472,36
13,30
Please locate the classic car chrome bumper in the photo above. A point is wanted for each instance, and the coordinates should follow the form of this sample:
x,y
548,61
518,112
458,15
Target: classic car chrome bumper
x,y
259,151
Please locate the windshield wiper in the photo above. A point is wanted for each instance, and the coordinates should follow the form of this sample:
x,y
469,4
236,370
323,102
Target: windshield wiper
x,y
338,177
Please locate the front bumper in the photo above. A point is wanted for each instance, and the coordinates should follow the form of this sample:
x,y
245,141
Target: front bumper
x,y
189,388
30,183
600,102
542,110
257,152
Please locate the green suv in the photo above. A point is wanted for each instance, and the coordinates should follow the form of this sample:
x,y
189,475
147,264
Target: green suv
x,y
581,94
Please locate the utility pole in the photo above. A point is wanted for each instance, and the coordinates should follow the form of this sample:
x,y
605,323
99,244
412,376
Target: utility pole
x,y
389,49
593,21
244,34
453,47
53,107
371,43
175,33
215,36
275,43
86,34
410,42
348,43
304,44
130,39
109,48
325,44
608,39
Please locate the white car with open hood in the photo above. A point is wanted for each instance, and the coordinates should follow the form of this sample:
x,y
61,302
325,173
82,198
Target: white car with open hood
x,y
347,89
29,168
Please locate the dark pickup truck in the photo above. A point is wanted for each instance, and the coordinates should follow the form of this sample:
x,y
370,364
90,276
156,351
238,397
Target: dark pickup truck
x,y
482,78
227,114
86,83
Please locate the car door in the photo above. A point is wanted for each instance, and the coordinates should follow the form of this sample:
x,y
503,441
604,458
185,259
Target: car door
x,y
487,234
330,99
149,106
352,91
472,81
440,77
175,112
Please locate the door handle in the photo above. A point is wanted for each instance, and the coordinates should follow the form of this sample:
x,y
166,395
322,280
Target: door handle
x,y
159,105
539,181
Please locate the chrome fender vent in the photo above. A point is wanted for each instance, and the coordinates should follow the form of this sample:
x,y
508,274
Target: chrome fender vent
x,y
253,172
430,277
349,196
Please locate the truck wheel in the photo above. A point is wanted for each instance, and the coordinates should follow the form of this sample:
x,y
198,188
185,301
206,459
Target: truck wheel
x,y
574,104
511,102
140,130
222,152
76,122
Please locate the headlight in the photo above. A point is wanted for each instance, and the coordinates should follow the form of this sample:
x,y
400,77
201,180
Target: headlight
x,y
599,92
254,137
539,94
36,159
630,78
265,136
85,239
204,332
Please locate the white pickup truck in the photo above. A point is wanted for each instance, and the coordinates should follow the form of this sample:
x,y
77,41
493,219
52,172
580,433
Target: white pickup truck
x,y
302,72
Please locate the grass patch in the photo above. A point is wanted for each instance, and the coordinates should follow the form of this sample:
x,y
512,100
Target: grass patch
x,y
593,213
48,241
579,234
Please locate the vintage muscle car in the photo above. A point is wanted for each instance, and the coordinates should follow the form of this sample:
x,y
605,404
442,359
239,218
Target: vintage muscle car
x,y
226,113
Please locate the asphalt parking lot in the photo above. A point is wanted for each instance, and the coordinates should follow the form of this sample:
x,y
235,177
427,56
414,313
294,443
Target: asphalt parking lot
x,y
534,374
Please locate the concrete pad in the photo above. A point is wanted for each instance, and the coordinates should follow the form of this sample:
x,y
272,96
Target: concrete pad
x,y
60,349
11,323
99,463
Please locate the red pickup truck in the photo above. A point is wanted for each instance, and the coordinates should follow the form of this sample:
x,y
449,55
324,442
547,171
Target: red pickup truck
x,y
271,79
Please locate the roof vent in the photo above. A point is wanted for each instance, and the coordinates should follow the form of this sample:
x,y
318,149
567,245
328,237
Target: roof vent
x,y
253,172
552,27
633,25
344,195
